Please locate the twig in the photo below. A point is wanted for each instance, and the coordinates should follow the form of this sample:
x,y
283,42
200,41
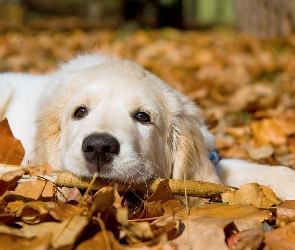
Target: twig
x,y
177,187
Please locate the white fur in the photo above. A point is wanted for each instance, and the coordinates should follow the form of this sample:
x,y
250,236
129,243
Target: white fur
x,y
176,144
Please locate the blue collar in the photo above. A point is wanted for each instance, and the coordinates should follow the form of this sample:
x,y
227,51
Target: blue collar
x,y
215,157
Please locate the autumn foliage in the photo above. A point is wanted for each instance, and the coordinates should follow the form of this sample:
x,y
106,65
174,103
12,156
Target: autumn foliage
x,y
245,88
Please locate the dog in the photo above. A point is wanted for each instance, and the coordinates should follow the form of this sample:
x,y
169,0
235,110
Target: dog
x,y
98,114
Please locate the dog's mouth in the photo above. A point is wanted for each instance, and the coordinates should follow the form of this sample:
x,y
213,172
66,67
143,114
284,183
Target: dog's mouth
x,y
109,172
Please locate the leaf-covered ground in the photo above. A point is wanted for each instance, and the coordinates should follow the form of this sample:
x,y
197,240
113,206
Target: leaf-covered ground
x,y
245,88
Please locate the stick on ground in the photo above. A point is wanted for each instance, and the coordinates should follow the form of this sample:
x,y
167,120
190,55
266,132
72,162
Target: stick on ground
x,y
177,187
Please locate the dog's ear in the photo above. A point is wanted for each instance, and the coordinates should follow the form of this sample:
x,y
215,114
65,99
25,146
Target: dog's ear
x,y
48,125
190,154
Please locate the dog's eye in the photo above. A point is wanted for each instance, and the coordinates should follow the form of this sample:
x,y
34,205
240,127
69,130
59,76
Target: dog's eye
x,y
142,117
80,112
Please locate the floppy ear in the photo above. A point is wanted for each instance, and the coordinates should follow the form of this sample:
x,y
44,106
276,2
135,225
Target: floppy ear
x,y
190,155
48,125
47,141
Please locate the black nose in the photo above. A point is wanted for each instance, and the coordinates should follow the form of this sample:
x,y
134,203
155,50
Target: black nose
x,y
100,149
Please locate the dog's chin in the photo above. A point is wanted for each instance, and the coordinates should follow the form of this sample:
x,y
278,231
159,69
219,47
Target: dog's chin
x,y
109,172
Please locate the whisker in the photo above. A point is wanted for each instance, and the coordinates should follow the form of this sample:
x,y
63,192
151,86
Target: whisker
x,y
154,164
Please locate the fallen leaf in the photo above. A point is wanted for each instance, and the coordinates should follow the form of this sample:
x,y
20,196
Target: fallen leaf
x,y
171,207
247,239
12,242
105,241
238,132
224,141
246,224
268,131
9,179
281,238
103,199
232,212
12,207
162,193
137,232
251,193
35,189
63,211
122,216
169,229
11,149
64,234
286,212
74,196
236,152
32,212
204,227
153,205
261,152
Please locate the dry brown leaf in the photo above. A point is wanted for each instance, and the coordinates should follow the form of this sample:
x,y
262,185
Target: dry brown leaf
x,y
291,143
11,149
122,216
162,193
232,212
251,193
268,131
153,205
152,209
169,228
103,200
64,234
224,141
74,196
238,132
286,212
287,125
281,238
63,211
171,206
32,212
202,233
246,224
236,152
35,189
155,209
204,226
9,179
12,207
13,242
137,232
261,152
7,218
248,239
100,240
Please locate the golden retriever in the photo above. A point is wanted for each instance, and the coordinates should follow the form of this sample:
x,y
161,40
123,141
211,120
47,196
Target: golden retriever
x,y
97,114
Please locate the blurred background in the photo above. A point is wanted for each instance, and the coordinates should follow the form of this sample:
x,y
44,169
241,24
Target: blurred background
x,y
234,58
264,18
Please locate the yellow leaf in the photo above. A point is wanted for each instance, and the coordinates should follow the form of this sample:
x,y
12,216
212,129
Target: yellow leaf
x,y
251,193
11,149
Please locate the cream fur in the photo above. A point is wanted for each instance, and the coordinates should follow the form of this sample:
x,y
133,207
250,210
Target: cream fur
x,y
176,143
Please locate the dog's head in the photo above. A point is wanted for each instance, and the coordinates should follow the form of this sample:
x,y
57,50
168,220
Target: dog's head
x,y
121,121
